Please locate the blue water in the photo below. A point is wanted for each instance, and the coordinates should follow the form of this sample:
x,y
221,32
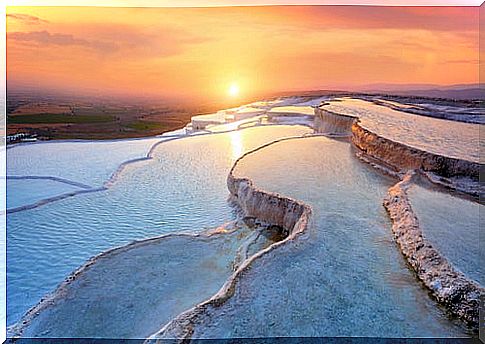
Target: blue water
x,y
454,139
453,226
345,277
132,292
23,192
88,162
182,189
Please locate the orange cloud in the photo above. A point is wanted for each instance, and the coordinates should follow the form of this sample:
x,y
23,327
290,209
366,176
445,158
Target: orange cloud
x,y
198,52
45,38
26,18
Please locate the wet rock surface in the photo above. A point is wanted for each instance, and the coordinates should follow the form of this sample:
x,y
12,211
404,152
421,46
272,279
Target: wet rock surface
x,y
403,157
288,218
303,287
328,122
281,219
449,286
449,172
182,188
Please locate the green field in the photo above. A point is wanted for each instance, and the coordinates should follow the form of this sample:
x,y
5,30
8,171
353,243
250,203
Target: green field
x,y
51,118
146,125
97,121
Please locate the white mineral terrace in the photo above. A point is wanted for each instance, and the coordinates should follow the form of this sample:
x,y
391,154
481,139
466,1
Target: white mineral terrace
x,y
450,138
305,246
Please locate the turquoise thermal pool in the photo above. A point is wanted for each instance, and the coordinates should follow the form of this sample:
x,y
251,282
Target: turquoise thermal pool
x,y
453,225
183,188
443,137
132,291
346,276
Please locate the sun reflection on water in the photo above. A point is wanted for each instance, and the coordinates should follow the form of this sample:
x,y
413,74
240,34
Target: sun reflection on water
x,y
236,144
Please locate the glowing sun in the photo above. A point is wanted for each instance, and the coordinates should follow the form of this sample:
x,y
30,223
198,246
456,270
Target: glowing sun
x,y
233,90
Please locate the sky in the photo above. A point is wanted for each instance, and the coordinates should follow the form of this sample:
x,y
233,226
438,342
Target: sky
x,y
206,52
205,3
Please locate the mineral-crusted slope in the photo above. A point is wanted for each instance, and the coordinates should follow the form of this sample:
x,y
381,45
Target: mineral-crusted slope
x,y
458,174
449,286
404,157
292,215
328,122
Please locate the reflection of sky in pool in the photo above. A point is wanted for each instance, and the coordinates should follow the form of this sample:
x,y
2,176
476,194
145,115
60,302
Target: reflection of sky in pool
x,y
449,138
452,225
93,162
346,277
132,292
26,191
90,162
182,188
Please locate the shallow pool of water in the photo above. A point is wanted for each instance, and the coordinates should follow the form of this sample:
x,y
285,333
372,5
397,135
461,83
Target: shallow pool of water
x,y
449,138
132,292
453,226
21,192
345,277
183,188
88,162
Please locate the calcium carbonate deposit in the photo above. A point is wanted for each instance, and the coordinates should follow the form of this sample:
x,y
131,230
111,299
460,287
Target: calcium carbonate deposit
x,y
276,218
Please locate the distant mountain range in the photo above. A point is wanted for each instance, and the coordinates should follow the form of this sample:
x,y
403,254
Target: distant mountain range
x,y
462,91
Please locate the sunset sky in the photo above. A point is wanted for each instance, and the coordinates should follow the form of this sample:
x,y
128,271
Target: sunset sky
x,y
204,52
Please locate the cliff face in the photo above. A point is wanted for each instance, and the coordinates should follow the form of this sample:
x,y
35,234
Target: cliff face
x,y
330,123
267,207
290,214
449,286
403,157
